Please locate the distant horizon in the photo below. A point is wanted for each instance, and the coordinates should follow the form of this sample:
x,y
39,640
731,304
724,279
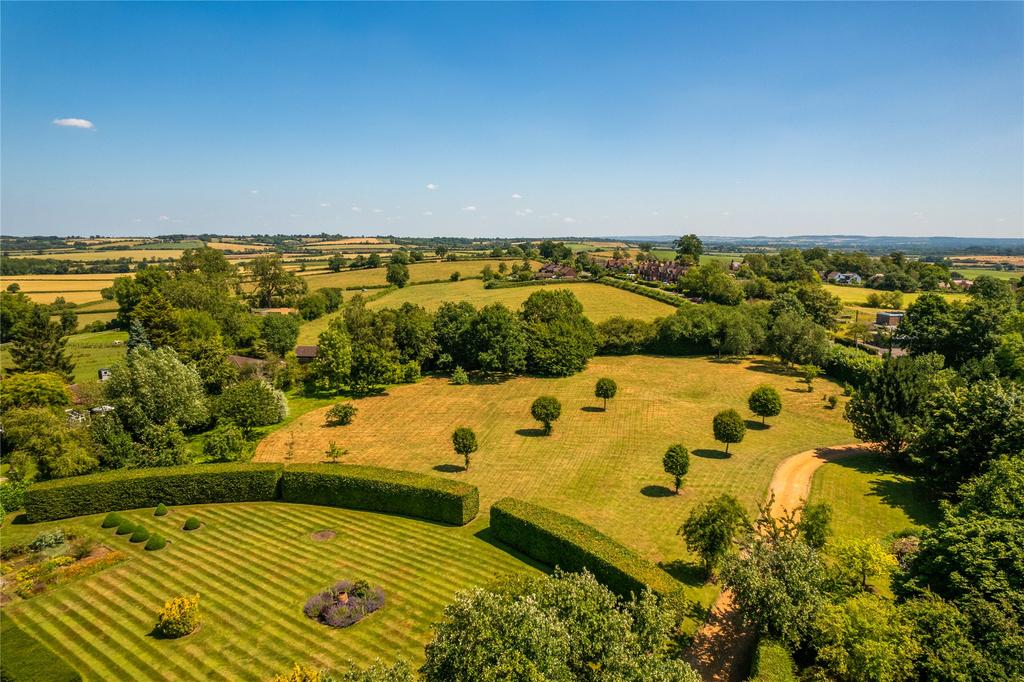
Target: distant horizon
x,y
484,119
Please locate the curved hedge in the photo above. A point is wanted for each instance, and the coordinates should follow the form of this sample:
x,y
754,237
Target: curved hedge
x,y
650,292
559,540
334,485
134,488
381,490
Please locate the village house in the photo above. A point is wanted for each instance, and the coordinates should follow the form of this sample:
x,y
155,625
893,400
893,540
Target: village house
x,y
660,271
844,278
556,271
889,319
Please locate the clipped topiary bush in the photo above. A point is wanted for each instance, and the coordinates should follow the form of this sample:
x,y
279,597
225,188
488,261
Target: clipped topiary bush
x,y
126,527
180,617
140,534
111,520
381,490
156,541
191,523
161,510
559,540
140,488
345,603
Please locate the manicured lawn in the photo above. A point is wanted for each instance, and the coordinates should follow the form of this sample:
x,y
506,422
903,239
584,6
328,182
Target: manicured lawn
x,y
869,499
602,467
254,565
418,272
89,352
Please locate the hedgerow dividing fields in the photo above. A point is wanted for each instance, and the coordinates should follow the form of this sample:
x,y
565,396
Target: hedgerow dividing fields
x,y
254,566
418,272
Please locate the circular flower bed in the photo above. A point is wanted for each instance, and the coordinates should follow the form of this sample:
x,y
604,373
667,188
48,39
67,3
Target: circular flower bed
x,y
344,604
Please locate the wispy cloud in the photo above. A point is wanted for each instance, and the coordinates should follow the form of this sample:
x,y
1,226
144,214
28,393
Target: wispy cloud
x,y
325,205
357,209
431,186
427,213
164,218
567,219
469,209
254,191
378,210
74,123
517,195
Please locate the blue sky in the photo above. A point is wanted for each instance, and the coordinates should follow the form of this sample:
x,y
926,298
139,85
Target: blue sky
x,y
513,119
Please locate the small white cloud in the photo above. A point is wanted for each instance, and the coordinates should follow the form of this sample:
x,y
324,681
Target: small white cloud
x,y
1001,220
556,214
431,186
655,212
294,215
378,210
427,213
517,195
254,191
74,123
469,209
164,218
727,213
136,220
325,205
567,219
357,209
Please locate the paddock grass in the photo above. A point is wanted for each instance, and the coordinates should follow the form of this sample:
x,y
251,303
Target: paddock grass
x,y
857,296
89,352
418,272
601,467
153,251
975,272
871,500
254,565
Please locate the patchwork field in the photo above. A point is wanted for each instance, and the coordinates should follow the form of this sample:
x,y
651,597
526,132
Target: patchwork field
x,y
137,254
418,272
857,296
602,467
251,598
74,288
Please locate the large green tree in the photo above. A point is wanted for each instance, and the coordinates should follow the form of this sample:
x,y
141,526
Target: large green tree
x,y
332,368
729,427
156,387
689,249
280,332
39,345
560,339
252,403
273,282
499,339
711,527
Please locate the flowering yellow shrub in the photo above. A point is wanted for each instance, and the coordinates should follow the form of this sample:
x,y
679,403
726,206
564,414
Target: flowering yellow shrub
x,y
300,674
180,616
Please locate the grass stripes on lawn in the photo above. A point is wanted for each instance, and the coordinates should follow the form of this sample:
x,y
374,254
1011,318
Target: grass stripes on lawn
x,y
254,565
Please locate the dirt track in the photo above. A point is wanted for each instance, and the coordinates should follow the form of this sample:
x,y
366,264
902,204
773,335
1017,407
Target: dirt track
x,y
722,648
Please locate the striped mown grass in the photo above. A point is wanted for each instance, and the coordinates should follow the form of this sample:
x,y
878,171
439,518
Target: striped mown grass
x,y
254,566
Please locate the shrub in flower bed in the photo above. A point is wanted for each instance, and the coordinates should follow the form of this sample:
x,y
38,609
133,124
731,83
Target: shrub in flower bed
x,y
140,534
111,520
126,527
191,523
180,617
161,510
344,604
44,540
156,541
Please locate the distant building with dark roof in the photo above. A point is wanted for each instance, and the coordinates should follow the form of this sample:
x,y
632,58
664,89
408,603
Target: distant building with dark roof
x,y
556,271
306,354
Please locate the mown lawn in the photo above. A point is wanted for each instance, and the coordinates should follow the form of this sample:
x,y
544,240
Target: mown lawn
x,y
254,565
869,499
602,467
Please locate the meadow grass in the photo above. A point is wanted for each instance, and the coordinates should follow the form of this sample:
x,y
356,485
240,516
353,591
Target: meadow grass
x,y
151,252
254,566
418,272
974,273
601,467
89,352
857,296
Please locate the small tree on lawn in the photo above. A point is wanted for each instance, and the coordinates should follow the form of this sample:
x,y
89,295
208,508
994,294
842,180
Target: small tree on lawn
x,y
464,442
546,409
335,452
711,528
729,427
605,389
765,401
676,463
809,374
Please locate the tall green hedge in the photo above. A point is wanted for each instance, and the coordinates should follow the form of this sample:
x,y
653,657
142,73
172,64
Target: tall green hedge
x,y
772,663
381,490
135,488
559,540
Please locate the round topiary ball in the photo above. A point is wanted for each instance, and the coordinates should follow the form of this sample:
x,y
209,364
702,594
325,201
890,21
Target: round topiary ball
x,y
127,527
161,510
191,523
140,534
112,520
156,541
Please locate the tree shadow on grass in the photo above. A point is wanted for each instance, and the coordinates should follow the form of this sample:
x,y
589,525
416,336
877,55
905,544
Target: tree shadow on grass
x,y
487,535
20,520
903,491
530,433
488,378
756,425
449,468
657,491
771,367
591,408
711,454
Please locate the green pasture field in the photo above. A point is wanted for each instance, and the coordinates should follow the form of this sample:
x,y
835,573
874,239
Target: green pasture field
x,y
89,352
418,272
254,566
871,500
599,302
857,296
601,467
974,273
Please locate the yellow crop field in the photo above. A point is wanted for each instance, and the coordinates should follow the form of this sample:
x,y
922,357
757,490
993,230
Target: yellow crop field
x,y
418,272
